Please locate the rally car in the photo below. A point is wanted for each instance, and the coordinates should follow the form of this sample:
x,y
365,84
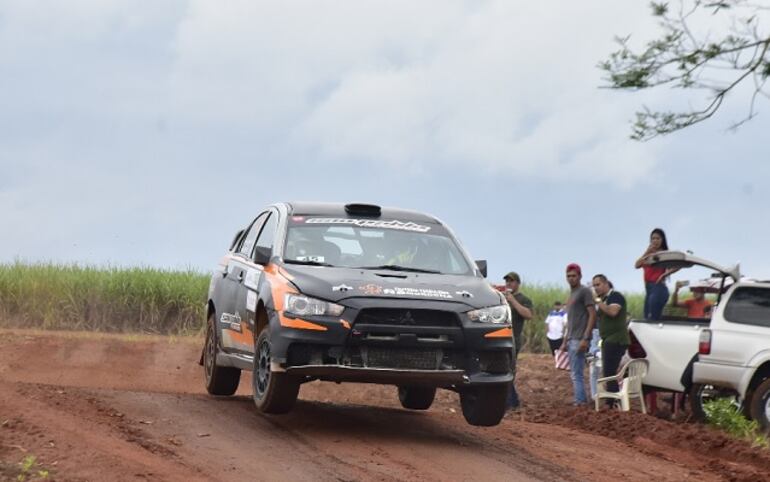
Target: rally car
x,y
356,293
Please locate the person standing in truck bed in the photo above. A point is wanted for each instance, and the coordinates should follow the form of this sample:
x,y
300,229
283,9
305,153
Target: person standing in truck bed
x,y
656,291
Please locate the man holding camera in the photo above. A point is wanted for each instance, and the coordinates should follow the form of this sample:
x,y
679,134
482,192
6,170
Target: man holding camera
x,y
521,310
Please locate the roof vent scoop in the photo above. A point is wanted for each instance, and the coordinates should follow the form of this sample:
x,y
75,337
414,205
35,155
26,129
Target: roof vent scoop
x,y
358,209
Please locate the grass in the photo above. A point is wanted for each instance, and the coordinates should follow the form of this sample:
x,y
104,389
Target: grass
x,y
722,413
148,300
123,300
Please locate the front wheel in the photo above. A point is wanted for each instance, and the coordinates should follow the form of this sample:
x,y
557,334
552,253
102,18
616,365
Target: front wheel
x,y
700,394
484,405
273,392
416,398
760,405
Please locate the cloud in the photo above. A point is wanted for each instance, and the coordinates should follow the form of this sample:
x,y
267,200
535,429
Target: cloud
x,y
504,87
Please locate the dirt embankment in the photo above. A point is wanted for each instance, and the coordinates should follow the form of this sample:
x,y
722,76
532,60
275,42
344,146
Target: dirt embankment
x,y
134,408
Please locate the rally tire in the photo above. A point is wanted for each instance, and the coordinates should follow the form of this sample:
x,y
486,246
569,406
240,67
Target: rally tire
x,y
273,392
416,398
484,405
760,406
219,380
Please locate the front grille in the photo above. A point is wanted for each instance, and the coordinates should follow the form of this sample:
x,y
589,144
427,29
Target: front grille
x,y
403,358
405,317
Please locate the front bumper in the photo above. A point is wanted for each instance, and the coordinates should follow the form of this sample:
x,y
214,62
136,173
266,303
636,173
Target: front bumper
x,y
455,354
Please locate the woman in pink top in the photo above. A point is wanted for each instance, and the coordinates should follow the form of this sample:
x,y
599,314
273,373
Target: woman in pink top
x,y
654,278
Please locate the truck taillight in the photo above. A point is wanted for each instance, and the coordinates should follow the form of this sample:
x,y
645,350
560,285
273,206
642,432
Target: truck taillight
x,y
704,342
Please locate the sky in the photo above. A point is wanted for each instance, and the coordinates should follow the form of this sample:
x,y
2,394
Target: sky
x,y
148,133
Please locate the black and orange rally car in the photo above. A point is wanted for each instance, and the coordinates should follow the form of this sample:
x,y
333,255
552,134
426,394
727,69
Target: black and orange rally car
x,y
356,293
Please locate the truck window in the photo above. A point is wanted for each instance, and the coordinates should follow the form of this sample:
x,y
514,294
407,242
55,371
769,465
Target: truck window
x,y
749,306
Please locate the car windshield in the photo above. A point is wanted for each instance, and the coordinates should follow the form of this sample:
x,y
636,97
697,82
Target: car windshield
x,y
373,244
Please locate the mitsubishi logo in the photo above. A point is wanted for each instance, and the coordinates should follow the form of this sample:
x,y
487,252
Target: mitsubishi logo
x,y
407,319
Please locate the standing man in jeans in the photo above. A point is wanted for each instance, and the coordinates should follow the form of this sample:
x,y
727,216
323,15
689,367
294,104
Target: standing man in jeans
x,y
521,310
612,328
581,318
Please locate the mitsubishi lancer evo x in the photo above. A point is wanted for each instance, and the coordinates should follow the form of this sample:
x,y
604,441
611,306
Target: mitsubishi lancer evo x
x,y
356,293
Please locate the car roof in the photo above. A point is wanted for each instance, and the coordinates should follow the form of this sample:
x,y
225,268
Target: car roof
x,y
338,209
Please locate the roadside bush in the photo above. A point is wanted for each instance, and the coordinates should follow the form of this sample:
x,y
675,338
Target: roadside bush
x,y
723,414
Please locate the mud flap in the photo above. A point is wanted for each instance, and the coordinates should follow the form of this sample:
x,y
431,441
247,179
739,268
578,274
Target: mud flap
x,y
686,379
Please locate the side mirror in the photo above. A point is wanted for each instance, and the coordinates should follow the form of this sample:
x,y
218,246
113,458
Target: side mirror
x,y
262,255
482,265
235,239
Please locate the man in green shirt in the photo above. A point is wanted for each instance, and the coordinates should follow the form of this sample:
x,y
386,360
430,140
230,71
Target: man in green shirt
x,y
611,307
521,310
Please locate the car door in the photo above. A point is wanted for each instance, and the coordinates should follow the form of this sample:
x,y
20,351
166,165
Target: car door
x,y
233,337
248,290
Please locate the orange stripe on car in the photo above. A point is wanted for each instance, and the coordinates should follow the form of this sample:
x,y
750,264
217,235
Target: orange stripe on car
x,y
501,333
300,324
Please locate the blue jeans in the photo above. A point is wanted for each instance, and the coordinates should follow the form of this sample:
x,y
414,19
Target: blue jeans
x,y
577,365
655,299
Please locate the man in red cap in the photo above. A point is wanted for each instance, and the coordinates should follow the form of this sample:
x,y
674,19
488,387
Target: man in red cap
x,y
581,318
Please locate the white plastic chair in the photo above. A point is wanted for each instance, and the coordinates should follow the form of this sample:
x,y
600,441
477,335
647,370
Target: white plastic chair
x,y
630,378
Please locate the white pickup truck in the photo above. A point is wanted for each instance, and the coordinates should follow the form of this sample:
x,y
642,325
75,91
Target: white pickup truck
x,y
735,349
670,344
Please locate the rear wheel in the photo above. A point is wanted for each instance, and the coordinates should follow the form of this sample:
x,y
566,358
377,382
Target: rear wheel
x,y
484,405
219,380
700,394
416,398
760,405
273,392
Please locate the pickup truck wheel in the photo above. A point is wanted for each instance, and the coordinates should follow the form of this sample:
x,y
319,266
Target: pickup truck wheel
x,y
700,394
416,398
219,380
760,405
273,392
484,405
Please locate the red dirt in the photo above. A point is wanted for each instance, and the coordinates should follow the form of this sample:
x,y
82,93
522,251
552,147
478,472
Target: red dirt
x,y
134,408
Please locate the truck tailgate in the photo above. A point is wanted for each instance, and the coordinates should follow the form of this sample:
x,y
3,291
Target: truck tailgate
x,y
670,346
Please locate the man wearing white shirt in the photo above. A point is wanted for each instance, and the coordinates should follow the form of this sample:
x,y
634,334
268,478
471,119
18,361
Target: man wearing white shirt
x,y
555,322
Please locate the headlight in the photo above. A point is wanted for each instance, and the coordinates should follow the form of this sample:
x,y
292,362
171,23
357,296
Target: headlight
x,y
493,314
302,305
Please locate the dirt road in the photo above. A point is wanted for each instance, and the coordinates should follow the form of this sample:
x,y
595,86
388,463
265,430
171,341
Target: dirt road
x,y
98,407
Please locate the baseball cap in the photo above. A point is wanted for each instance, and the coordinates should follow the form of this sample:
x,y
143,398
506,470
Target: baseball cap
x,y
513,276
574,267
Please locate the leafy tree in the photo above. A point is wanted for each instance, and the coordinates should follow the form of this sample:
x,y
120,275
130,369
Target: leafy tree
x,y
715,46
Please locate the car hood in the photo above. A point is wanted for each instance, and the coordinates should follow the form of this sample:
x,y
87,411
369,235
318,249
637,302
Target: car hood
x,y
337,284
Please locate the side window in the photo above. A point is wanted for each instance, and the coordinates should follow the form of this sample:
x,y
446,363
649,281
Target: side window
x,y
268,233
750,306
248,241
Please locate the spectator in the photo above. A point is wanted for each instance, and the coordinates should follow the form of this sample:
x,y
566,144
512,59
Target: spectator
x,y
581,317
698,306
556,321
654,278
611,308
521,309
